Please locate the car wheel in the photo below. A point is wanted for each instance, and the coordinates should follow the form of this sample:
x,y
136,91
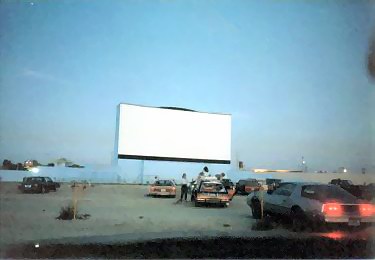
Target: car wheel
x,y
43,189
298,219
256,210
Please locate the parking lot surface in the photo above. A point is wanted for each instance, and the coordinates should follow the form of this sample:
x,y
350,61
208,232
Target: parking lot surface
x,y
120,213
113,209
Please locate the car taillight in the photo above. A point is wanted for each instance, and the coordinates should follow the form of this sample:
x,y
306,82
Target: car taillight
x,y
367,210
174,188
332,209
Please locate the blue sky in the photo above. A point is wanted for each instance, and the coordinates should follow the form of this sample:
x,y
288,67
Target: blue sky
x,y
292,74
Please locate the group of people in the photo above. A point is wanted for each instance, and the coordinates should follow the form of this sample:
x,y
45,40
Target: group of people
x,y
204,173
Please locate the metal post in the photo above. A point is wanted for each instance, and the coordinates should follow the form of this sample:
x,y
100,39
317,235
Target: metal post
x,y
142,170
261,205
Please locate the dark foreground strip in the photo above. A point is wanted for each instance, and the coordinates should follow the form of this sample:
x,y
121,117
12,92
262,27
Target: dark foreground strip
x,y
223,247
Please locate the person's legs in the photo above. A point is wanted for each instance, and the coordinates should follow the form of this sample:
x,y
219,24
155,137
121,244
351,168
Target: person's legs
x,y
184,192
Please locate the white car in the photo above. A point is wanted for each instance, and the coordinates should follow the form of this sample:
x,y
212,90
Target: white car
x,y
307,202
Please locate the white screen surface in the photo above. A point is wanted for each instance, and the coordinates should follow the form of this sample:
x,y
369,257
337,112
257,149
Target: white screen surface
x,y
169,134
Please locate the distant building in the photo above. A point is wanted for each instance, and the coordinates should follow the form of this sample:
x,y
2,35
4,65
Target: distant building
x,y
62,162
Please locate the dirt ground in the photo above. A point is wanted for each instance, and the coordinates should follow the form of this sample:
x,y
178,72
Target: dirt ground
x,y
122,213
114,209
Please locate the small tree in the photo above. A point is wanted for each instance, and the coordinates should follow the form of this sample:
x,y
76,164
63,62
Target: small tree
x,y
78,192
7,164
36,163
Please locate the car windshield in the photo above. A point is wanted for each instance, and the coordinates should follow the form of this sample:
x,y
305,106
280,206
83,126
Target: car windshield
x,y
164,183
326,193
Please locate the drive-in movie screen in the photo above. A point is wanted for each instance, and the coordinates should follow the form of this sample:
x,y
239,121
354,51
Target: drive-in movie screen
x,y
187,129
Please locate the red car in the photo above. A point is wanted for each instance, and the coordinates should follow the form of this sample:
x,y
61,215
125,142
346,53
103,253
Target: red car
x,y
211,192
231,188
163,188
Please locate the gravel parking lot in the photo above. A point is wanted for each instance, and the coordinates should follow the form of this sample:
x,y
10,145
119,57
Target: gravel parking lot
x,y
114,209
121,213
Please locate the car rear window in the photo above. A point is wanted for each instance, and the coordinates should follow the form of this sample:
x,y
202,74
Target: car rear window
x,y
326,192
164,183
272,181
252,183
32,179
212,187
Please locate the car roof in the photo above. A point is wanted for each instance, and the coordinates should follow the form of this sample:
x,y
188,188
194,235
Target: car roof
x,y
305,183
166,180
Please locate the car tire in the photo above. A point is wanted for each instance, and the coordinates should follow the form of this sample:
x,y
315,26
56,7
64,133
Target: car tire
x,y
43,189
256,210
299,220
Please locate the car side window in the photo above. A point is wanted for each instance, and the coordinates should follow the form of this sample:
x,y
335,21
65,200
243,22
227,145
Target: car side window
x,y
285,189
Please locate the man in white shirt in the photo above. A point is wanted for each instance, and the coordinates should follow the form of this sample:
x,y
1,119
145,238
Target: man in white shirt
x,y
184,187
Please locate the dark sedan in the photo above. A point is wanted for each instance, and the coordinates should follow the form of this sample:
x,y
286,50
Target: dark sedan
x,y
38,185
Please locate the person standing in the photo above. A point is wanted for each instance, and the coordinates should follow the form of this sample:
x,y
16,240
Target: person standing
x,y
184,187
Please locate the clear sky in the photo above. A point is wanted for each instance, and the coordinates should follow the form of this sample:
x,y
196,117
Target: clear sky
x,y
291,73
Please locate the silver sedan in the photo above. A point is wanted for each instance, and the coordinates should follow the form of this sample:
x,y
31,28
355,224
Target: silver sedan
x,y
306,202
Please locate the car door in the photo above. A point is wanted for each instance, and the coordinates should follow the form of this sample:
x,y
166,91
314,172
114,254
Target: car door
x,y
49,183
286,201
279,200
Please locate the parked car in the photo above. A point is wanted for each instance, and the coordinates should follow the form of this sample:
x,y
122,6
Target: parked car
x,y
368,192
193,185
231,188
247,186
348,185
163,188
211,192
272,183
309,203
38,184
